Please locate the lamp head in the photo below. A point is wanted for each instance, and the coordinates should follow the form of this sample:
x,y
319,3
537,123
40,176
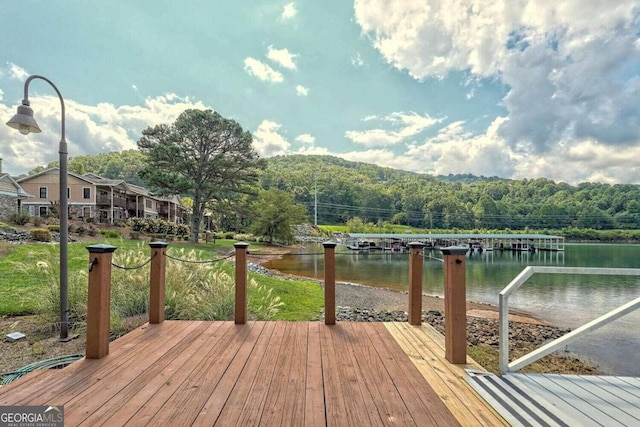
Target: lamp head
x,y
23,120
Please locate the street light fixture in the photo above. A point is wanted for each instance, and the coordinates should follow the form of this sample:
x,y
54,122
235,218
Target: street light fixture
x,y
25,123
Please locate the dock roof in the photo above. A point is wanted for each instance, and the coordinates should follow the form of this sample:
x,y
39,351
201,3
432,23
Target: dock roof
x,y
453,236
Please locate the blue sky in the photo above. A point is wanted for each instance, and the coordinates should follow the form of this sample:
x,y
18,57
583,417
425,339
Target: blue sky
x,y
514,88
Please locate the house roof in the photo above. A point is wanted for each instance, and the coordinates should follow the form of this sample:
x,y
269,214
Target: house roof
x,y
98,180
48,171
19,190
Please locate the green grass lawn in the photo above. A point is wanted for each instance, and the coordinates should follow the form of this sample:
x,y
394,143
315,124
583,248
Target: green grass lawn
x,y
303,300
22,283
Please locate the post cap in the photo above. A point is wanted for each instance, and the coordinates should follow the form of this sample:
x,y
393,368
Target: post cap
x,y
241,245
455,250
102,248
158,244
330,244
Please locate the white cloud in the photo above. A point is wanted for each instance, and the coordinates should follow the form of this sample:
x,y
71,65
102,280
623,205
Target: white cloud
x,y
16,72
302,91
373,137
306,138
134,87
90,129
267,140
454,150
406,125
289,11
262,71
570,70
357,61
315,151
282,57
1,94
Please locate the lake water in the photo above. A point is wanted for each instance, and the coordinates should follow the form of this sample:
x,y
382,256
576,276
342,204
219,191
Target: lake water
x,y
563,300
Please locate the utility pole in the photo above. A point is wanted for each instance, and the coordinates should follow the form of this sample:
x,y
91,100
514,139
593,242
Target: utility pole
x,y
315,188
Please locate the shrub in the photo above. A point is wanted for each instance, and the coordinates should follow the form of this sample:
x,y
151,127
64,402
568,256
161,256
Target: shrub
x,y
37,221
54,228
112,234
158,226
229,235
19,217
81,230
91,220
92,231
41,235
183,230
137,224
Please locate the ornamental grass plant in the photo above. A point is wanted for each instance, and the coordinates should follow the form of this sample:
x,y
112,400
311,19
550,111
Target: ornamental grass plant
x,y
195,290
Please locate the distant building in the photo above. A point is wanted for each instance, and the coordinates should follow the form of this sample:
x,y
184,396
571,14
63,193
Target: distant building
x,y
101,199
11,195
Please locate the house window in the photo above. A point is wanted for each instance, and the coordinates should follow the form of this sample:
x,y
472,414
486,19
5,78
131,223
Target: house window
x,y
43,192
86,193
68,193
147,203
43,211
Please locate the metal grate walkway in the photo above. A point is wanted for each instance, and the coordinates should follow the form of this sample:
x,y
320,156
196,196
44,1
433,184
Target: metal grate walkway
x,y
560,400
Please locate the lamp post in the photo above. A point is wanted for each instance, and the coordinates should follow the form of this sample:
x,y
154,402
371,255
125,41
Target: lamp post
x,y
25,123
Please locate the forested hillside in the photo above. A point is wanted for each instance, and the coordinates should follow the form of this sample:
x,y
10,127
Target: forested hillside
x,y
346,189
375,194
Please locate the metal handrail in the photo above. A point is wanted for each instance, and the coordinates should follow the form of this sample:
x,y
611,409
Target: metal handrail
x,y
558,343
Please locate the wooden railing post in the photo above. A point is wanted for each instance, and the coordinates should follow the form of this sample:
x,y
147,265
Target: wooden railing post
x,y
99,301
329,283
157,281
241,283
455,304
415,282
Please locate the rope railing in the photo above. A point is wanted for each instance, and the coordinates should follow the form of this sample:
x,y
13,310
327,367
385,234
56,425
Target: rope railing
x,y
206,261
122,267
266,254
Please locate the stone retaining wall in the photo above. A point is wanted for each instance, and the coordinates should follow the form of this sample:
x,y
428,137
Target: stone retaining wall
x,y
8,205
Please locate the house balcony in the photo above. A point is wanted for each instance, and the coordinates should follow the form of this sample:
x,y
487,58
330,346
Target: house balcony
x,y
119,202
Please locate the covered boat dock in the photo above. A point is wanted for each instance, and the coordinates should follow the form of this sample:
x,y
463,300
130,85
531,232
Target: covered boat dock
x,y
486,242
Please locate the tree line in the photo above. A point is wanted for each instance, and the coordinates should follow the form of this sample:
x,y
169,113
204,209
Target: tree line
x,y
377,195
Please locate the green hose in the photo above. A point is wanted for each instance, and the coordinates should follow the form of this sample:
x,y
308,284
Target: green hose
x,y
56,362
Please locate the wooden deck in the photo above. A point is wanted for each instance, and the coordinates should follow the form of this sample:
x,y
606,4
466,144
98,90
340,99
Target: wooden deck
x,y
262,373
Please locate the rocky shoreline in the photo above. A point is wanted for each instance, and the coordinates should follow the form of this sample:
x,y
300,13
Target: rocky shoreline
x,y
479,330
360,303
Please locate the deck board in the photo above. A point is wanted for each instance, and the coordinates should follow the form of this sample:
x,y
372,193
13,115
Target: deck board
x,y
262,373
384,396
314,408
425,348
